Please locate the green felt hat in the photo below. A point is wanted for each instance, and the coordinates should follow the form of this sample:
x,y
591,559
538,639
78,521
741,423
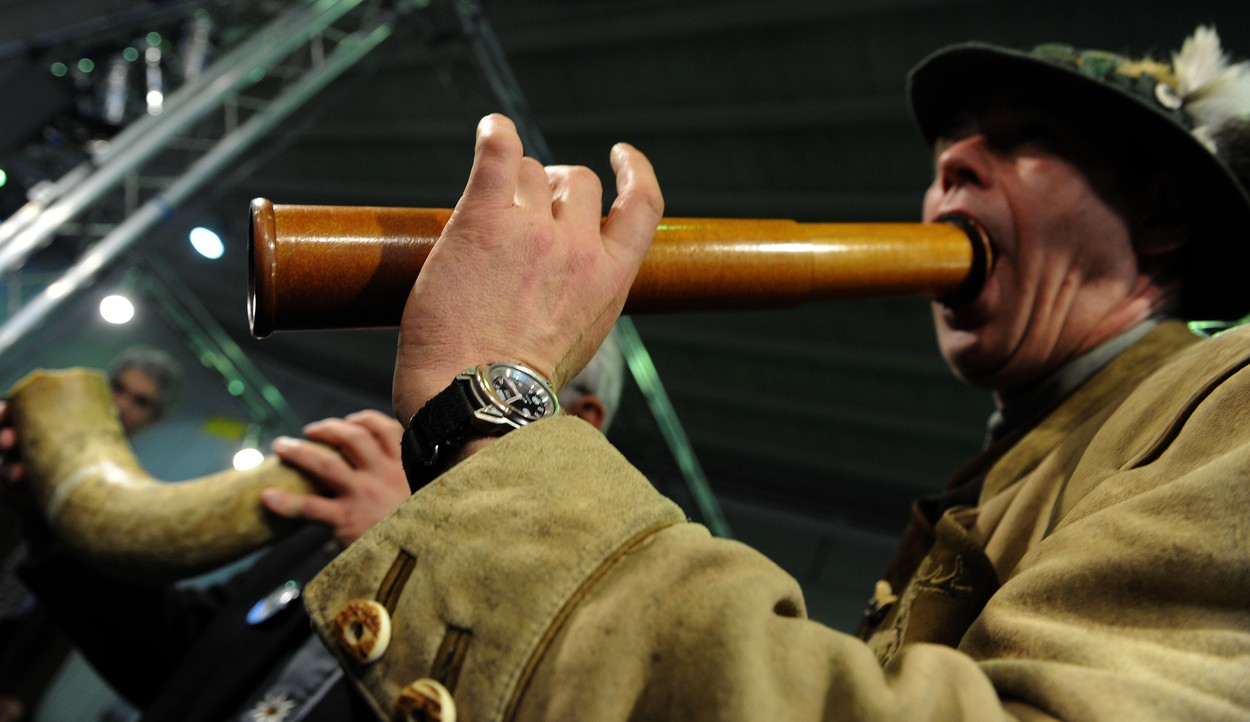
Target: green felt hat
x,y
1191,115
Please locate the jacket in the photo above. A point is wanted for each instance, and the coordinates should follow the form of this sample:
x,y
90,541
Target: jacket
x,y
1100,571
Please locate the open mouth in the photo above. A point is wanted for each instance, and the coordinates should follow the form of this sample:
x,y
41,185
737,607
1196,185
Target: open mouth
x,y
982,260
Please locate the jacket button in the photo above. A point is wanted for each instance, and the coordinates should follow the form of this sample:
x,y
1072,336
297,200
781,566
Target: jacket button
x,y
425,701
363,630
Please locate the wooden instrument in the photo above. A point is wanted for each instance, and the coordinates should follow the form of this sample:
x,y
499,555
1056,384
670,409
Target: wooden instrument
x,y
323,267
333,267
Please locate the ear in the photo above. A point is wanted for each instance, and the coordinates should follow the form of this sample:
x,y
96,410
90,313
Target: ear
x,y
590,408
1161,223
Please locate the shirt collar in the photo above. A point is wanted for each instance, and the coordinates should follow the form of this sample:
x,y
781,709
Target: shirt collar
x,y
1055,387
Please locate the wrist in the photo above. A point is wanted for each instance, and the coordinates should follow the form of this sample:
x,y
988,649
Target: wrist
x,y
482,402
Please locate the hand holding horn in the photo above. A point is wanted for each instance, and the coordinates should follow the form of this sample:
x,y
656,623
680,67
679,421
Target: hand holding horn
x,y
100,502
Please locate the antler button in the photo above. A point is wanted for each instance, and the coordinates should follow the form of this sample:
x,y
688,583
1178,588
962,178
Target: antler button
x,y
363,630
425,701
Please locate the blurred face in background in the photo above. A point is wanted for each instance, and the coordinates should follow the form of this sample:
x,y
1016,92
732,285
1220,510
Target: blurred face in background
x,y
135,394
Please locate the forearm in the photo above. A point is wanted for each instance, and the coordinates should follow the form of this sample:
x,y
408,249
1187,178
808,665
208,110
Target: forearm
x,y
590,597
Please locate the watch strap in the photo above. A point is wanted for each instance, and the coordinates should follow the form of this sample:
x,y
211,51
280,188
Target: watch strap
x,y
435,432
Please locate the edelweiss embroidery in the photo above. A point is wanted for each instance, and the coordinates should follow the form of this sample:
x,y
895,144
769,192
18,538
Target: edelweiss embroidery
x,y
274,707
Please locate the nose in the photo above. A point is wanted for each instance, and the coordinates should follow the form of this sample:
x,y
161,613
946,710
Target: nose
x,y
964,162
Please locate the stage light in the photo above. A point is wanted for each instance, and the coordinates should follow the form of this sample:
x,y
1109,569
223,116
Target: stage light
x,y
155,77
248,458
115,90
206,242
4,178
59,69
117,309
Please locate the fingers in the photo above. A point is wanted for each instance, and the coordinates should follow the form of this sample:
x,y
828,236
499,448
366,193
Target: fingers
x,y
553,268
326,465
11,468
282,502
496,162
384,428
357,442
533,189
639,205
292,505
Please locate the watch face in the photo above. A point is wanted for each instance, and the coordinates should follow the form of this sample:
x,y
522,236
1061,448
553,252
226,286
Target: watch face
x,y
519,389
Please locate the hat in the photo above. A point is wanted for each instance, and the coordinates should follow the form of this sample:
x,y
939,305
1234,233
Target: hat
x,y
1191,116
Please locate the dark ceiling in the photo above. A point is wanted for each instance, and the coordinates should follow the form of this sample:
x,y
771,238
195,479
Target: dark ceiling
x,y
758,109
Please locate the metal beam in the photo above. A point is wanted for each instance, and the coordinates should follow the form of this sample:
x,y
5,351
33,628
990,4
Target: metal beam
x,y
228,149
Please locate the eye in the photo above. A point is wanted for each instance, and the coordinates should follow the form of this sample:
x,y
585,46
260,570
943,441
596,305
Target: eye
x,y
1011,137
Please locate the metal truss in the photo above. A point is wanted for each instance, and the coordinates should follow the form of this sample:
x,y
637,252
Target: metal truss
x,y
136,179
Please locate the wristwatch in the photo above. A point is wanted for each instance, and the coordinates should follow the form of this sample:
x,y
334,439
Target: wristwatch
x,y
487,400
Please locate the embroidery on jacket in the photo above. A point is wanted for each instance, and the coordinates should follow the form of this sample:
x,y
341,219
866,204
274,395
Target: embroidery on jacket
x,y
930,578
274,707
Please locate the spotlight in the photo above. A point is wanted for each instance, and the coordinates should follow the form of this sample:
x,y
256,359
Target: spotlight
x,y
247,458
117,309
116,87
206,242
155,77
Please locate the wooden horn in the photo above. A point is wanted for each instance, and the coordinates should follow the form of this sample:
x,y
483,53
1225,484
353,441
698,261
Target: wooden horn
x,y
338,267
101,503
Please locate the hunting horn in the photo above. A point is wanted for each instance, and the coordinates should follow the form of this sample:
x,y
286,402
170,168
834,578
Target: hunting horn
x,y
331,267
101,503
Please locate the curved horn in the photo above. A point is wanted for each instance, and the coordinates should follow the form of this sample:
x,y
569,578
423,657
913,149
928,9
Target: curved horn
x,y
107,509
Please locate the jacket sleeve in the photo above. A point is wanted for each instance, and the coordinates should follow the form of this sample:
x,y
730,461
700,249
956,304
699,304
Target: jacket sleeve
x,y
545,579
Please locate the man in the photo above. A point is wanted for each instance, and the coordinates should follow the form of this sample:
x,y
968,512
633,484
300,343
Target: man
x,y
144,382
243,649
1092,564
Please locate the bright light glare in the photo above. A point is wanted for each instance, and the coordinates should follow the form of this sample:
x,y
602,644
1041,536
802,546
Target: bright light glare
x,y
117,309
207,243
248,459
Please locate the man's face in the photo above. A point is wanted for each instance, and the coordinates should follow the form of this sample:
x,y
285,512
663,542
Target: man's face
x,y
1065,277
134,393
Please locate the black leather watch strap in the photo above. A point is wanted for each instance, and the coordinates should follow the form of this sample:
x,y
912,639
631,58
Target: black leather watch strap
x,y
435,432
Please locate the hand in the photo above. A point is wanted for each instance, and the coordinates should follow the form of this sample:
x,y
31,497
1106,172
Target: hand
x,y
16,492
364,476
524,271
12,471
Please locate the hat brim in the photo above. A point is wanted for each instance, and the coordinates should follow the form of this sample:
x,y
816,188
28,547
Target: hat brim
x,y
1217,257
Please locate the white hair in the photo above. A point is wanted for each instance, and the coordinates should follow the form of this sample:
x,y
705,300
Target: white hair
x,y
604,376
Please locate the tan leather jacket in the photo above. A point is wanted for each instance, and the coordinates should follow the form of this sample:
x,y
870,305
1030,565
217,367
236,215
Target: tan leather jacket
x,y
1103,575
